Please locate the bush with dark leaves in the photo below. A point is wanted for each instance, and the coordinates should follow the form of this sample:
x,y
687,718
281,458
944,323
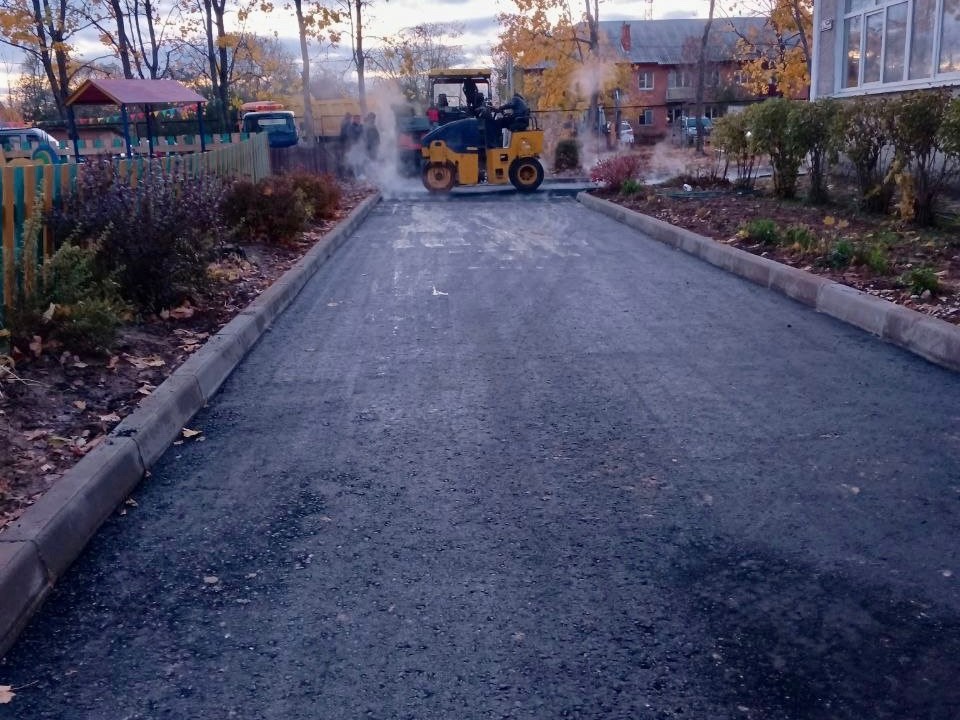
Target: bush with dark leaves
x,y
613,172
273,210
321,193
155,238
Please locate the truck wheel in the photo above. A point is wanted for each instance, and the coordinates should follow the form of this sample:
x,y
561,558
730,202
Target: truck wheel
x,y
526,174
438,177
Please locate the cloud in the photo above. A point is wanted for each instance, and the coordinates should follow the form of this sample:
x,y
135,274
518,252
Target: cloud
x,y
679,14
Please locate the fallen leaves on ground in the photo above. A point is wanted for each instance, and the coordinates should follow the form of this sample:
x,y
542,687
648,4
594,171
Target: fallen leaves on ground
x,y
55,407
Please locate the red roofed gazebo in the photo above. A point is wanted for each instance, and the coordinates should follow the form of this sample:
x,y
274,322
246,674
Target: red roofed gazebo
x,y
125,92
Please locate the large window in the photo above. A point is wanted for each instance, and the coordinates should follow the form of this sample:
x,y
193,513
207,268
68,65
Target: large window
x,y
888,42
645,80
646,118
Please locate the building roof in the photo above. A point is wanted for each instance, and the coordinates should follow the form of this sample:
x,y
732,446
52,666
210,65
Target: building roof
x,y
133,92
670,42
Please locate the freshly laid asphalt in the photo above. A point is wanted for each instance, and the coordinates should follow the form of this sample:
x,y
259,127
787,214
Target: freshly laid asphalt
x,y
508,458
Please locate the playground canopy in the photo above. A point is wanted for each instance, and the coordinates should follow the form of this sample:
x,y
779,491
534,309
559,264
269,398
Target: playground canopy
x,y
125,92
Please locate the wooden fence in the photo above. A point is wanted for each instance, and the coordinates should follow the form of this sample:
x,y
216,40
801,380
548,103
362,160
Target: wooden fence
x,y
28,189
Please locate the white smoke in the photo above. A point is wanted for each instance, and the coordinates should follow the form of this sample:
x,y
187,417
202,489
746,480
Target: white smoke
x,y
384,172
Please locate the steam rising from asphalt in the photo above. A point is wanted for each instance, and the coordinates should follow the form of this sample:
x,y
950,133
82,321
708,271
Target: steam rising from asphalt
x,y
385,171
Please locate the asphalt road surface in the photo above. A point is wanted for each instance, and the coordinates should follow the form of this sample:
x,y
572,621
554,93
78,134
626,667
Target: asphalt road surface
x,y
506,458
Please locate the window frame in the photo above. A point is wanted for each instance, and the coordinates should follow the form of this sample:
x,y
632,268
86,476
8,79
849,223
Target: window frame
x,y
642,76
675,75
644,114
862,9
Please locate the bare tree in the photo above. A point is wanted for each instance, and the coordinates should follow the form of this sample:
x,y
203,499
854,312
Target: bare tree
x,y
356,11
701,75
406,58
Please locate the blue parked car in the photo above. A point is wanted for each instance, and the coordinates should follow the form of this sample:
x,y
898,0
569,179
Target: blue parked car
x,y
278,124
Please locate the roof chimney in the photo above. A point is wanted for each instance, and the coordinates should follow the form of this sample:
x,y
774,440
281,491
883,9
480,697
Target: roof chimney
x,y
625,37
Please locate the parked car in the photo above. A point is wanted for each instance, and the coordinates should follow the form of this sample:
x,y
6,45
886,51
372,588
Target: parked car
x,y
626,133
33,143
688,126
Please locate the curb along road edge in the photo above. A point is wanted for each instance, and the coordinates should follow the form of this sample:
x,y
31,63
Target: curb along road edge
x,y
37,548
933,339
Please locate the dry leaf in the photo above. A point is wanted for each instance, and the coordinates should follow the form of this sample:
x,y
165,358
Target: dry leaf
x,y
146,389
188,433
112,417
38,433
48,315
181,313
112,364
36,347
6,694
142,363
80,404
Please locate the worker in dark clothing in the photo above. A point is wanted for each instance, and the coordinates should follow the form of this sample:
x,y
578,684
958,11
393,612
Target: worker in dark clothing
x,y
371,135
344,144
354,147
473,96
514,115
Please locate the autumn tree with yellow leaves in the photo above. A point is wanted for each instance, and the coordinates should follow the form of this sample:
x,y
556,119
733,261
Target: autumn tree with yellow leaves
x,y
560,53
779,53
45,30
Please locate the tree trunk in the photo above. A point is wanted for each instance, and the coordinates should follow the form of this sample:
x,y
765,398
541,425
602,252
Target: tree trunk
x,y
308,132
55,62
224,67
358,55
701,79
123,44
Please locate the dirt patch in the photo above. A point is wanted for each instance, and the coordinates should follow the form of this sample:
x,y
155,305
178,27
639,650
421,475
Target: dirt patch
x,y
58,405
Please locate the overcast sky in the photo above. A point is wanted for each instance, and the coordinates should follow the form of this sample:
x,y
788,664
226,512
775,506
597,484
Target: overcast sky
x,y
479,16
388,17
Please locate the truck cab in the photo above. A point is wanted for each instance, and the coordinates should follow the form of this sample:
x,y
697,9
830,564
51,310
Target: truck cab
x,y
270,117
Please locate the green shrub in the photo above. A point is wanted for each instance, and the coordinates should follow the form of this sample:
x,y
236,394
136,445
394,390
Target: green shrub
x,y
927,155
273,210
864,134
631,187
567,155
815,126
875,257
841,254
73,306
762,230
321,192
154,239
732,135
921,279
775,127
800,237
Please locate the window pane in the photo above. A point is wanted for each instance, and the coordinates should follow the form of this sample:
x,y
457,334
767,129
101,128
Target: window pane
x,y
851,31
921,39
872,48
852,5
950,37
896,43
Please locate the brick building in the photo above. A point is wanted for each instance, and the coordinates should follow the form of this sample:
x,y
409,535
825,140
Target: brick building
x,y
663,55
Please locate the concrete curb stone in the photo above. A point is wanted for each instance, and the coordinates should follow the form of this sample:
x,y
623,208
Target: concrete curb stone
x,y
37,548
936,340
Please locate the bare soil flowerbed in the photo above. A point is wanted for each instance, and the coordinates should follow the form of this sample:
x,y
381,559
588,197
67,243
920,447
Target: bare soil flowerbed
x,y
57,405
